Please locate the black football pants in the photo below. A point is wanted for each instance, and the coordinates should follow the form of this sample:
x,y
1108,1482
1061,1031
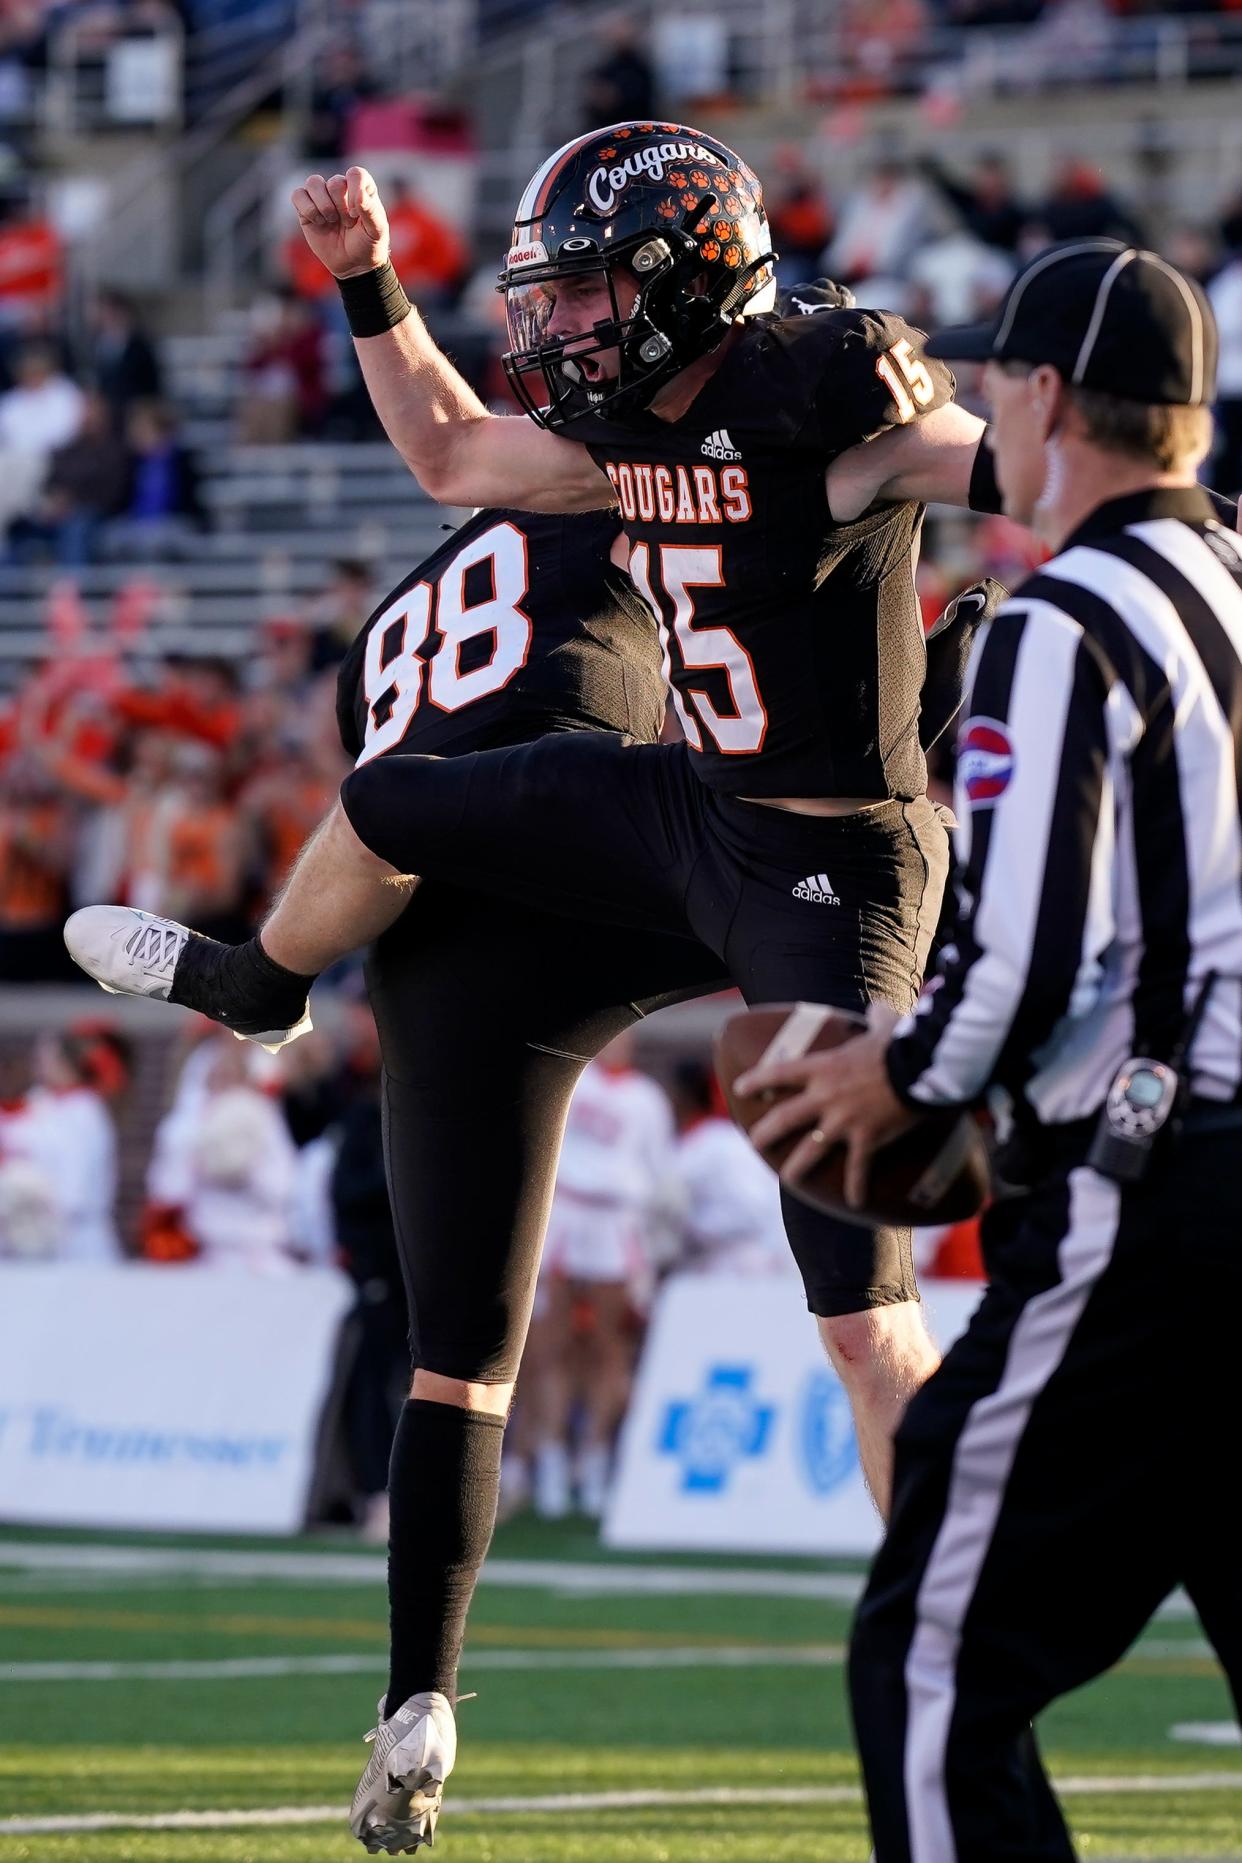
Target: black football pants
x,y
624,835
1066,1467
487,1016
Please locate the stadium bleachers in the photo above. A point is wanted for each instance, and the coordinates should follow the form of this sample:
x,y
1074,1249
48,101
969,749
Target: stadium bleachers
x,y
277,516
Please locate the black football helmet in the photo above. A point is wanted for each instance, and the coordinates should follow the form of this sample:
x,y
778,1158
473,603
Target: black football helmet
x,y
682,213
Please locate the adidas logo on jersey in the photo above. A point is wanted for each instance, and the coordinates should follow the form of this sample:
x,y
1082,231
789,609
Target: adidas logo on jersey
x,y
718,445
818,888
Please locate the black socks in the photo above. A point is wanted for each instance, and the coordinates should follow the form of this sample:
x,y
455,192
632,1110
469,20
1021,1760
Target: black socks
x,y
443,1487
238,985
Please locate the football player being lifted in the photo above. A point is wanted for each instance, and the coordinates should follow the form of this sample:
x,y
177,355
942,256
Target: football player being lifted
x,y
769,473
483,1010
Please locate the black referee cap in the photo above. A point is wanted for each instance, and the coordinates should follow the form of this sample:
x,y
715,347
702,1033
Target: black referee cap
x,y
1108,317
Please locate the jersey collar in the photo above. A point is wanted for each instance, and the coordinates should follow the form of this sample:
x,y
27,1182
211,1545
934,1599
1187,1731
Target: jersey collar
x,y
1188,502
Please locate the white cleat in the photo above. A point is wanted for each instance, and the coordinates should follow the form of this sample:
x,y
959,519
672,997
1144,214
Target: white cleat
x,y
129,953
398,1798
134,953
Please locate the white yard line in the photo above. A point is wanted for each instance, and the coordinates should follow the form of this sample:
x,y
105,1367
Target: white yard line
x,y
230,1669
571,1802
580,1577
583,1577
365,1662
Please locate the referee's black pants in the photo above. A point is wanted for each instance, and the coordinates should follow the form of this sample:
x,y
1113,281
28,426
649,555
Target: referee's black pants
x,y
1067,1466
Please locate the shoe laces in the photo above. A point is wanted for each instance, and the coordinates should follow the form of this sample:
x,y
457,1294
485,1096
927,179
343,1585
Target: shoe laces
x,y
154,947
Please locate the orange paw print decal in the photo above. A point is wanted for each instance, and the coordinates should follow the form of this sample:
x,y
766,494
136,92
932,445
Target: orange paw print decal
x,y
733,204
667,210
605,155
698,177
710,249
622,134
646,129
723,229
733,256
677,177
689,201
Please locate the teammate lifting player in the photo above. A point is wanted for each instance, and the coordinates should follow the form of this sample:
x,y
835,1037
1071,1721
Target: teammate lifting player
x,y
803,804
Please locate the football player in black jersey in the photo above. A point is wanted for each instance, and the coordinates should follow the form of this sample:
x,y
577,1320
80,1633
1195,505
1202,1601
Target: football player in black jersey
x,y
515,626
768,472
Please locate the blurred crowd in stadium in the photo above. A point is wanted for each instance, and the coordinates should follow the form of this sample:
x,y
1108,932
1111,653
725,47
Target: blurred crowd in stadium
x,y
185,782
267,1164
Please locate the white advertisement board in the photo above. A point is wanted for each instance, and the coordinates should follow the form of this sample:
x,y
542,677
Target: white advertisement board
x,y
158,1397
739,1436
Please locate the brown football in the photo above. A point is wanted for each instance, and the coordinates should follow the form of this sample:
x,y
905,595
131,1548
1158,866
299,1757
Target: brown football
x,y
935,1173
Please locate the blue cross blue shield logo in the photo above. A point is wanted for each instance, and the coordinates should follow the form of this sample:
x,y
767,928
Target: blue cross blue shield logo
x,y
712,1433
826,1442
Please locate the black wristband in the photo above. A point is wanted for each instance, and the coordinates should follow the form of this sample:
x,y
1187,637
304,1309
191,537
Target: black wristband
x,y
984,491
1226,508
374,301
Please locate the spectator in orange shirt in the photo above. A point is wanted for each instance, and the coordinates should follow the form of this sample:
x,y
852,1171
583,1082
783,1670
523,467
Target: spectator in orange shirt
x,y
123,792
800,216
428,255
283,805
35,853
31,267
196,699
198,853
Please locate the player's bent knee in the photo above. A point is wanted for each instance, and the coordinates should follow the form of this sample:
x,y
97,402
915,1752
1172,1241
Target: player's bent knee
x,y
365,811
492,1400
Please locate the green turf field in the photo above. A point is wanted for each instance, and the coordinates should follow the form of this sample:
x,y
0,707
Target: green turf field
x,y
718,1713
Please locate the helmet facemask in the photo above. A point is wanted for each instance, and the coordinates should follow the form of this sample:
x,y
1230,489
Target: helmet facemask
x,y
672,322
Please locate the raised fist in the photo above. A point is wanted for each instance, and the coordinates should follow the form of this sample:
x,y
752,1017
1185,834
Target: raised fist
x,y
343,221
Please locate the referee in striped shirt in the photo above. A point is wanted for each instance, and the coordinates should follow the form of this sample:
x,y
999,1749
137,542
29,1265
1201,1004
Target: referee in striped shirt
x,y
1072,1460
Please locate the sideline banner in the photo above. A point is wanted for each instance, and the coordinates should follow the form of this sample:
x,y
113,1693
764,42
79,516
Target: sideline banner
x,y
139,1396
739,1436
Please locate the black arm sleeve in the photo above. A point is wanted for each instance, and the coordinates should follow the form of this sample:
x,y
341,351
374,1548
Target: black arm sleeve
x,y
985,492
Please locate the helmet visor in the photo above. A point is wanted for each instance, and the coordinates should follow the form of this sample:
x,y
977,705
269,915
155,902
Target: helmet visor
x,y
562,366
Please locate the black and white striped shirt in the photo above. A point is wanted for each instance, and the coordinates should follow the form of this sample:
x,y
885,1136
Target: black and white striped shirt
x,y
1099,795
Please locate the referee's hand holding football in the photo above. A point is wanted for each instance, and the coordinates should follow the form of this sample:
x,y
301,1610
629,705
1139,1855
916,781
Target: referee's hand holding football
x,y
840,1097
343,222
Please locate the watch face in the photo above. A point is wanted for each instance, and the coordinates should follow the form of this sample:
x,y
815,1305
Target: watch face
x,y
1141,1097
1145,1090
